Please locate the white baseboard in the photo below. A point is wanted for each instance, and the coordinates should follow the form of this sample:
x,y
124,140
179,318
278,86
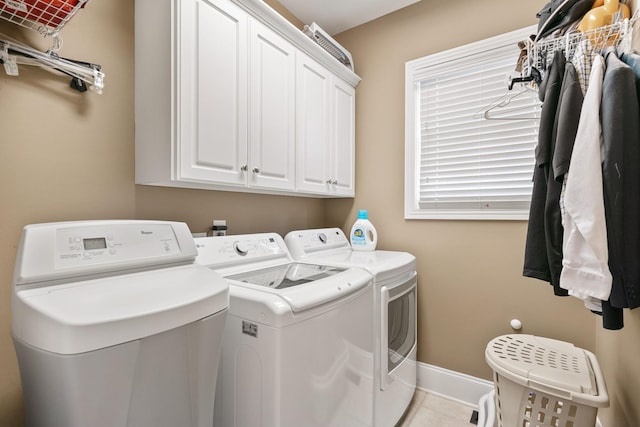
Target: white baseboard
x,y
455,386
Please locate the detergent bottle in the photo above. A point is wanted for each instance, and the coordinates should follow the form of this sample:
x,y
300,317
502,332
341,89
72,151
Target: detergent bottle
x,y
363,234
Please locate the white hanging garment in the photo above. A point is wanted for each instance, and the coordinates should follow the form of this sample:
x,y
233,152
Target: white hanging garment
x,y
585,271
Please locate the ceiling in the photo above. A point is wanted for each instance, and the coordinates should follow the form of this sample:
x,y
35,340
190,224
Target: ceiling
x,y
335,16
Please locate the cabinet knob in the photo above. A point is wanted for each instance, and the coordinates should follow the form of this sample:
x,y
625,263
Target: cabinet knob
x,y
244,168
332,182
329,182
255,170
335,182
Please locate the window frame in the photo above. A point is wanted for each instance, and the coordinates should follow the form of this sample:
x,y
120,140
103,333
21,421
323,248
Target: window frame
x,y
415,71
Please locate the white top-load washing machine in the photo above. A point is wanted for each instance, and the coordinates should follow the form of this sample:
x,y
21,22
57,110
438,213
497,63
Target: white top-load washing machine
x,y
297,348
394,302
115,325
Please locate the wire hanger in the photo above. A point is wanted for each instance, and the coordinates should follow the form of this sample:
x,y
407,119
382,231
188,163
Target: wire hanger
x,y
13,53
503,101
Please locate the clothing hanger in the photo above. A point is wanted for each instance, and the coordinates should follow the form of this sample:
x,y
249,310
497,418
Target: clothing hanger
x,y
13,53
502,102
534,76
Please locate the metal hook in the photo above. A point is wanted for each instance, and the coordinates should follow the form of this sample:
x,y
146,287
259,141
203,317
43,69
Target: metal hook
x,y
56,45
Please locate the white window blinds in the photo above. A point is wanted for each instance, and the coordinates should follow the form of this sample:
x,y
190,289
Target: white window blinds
x,y
464,165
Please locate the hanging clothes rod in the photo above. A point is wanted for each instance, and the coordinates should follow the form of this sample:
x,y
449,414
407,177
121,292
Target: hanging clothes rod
x,y
618,34
537,54
13,53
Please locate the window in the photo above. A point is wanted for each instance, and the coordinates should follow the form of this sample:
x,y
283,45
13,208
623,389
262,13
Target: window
x,y
459,165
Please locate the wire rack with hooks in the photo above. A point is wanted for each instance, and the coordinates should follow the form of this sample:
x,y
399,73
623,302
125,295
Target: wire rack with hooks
x,y
84,75
537,55
47,17
619,34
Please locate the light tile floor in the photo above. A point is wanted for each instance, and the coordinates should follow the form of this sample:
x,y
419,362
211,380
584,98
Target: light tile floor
x,y
428,410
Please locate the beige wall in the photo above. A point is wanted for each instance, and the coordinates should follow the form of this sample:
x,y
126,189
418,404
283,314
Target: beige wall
x,y
470,273
69,156
285,12
617,353
66,156
63,155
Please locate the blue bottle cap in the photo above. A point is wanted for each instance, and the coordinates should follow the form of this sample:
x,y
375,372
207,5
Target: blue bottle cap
x,y
362,214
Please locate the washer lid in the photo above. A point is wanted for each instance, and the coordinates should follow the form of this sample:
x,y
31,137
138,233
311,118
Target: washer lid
x,y
287,275
92,314
303,286
383,265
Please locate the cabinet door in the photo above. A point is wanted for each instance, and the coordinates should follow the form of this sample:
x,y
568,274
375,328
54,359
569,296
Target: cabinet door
x,y
272,109
212,92
313,121
342,159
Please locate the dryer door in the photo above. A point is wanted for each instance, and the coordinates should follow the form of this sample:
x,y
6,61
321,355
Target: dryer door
x,y
399,319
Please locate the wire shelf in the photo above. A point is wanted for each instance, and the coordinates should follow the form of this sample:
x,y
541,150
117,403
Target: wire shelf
x,y
618,34
47,17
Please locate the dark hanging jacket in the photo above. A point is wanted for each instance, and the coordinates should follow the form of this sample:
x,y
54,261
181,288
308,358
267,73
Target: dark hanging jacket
x,y
560,14
543,248
620,115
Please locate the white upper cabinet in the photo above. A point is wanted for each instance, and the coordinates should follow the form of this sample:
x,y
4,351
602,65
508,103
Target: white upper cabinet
x,y
213,92
272,110
326,137
230,96
342,153
313,121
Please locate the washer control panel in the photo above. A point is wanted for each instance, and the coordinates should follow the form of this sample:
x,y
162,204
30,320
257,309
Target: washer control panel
x,y
78,248
304,242
96,244
220,251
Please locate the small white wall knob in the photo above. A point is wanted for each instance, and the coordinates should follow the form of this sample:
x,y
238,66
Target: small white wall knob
x,y
516,324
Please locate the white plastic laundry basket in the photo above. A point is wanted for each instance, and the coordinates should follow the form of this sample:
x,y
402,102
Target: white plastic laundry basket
x,y
542,382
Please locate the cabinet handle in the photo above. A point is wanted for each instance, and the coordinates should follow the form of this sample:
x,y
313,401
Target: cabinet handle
x,y
244,168
329,182
332,182
255,170
335,182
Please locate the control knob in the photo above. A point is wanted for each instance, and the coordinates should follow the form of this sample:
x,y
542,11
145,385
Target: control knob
x,y
241,248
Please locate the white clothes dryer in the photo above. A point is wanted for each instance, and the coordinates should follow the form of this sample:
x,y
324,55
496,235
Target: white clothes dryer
x,y
297,347
114,325
395,313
